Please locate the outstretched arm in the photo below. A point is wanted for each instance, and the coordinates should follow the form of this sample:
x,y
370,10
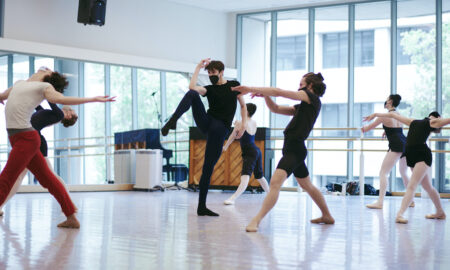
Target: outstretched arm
x,y
405,120
193,84
369,127
232,136
439,122
274,92
56,97
275,108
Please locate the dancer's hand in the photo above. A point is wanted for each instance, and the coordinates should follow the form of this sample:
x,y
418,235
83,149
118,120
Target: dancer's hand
x,y
104,99
252,95
370,117
243,89
204,63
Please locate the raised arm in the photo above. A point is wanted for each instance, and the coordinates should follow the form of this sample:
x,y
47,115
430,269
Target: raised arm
x,y
244,114
439,122
193,84
280,109
405,120
232,137
55,97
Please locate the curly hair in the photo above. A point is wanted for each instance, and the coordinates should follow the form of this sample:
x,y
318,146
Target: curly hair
x,y
57,80
69,122
217,65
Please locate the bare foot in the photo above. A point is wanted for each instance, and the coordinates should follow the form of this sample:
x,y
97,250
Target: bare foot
x,y
375,205
401,220
228,202
412,204
324,220
71,223
252,226
436,216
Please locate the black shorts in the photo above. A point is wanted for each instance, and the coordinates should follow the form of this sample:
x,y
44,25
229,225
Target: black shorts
x,y
44,147
418,153
293,160
251,161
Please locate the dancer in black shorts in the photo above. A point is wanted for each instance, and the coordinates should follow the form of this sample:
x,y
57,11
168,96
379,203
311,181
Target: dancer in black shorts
x,y
294,149
394,133
251,155
419,158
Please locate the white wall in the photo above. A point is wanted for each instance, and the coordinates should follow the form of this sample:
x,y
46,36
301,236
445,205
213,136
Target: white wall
x,y
147,28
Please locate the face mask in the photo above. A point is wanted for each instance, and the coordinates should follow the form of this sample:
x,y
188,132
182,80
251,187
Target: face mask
x,y
214,79
385,104
303,88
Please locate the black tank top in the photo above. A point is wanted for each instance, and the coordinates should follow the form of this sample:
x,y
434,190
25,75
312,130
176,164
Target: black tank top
x,y
247,139
418,133
304,118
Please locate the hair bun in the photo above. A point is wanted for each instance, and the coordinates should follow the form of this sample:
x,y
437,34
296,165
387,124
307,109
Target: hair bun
x,y
319,75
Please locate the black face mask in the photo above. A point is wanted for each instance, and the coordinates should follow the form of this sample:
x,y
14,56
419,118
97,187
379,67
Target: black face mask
x,y
214,79
385,104
304,89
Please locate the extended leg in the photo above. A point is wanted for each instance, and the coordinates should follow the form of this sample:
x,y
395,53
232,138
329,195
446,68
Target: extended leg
x,y
318,198
14,189
434,195
241,188
403,168
388,163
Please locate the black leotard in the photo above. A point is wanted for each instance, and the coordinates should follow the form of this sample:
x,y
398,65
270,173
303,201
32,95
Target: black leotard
x,y
416,149
396,138
251,156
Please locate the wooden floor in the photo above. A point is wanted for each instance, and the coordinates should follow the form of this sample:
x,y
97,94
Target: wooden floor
x,y
160,230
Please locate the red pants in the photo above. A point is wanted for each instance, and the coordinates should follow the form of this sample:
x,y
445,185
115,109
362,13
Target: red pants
x,y
25,153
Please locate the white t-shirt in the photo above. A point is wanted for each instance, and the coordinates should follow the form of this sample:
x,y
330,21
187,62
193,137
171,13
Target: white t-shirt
x,y
24,97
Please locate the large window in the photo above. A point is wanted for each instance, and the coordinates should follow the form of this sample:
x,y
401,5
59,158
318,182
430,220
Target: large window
x,y
149,94
121,109
446,84
335,49
94,124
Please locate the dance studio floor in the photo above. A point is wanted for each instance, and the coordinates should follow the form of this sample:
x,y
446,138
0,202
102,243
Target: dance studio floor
x,y
160,230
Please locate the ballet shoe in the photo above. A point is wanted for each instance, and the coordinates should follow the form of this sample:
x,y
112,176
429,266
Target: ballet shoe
x,y
413,204
435,216
323,220
228,202
206,212
401,220
374,206
171,124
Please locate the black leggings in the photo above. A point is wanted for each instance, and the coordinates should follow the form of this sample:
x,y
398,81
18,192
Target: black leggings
x,y
216,132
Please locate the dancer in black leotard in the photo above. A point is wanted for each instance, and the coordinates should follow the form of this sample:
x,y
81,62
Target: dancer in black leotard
x,y
251,155
419,158
39,120
394,133
294,149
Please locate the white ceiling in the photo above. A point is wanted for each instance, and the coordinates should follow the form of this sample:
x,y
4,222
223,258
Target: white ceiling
x,y
242,6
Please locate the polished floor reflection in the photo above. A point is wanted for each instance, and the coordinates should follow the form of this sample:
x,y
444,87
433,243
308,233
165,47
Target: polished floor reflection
x,y
160,230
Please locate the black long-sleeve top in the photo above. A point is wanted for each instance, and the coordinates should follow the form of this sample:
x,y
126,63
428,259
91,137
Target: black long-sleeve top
x,y
43,117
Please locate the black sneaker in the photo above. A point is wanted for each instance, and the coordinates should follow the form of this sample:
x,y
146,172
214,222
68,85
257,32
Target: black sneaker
x,y
171,124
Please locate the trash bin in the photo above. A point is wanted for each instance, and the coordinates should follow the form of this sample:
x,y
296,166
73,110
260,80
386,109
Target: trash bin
x,y
148,168
124,166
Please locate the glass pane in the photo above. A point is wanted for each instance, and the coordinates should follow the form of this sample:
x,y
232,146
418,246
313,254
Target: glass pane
x,y
446,83
256,34
149,96
121,112
43,62
21,67
416,68
331,58
177,84
94,124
